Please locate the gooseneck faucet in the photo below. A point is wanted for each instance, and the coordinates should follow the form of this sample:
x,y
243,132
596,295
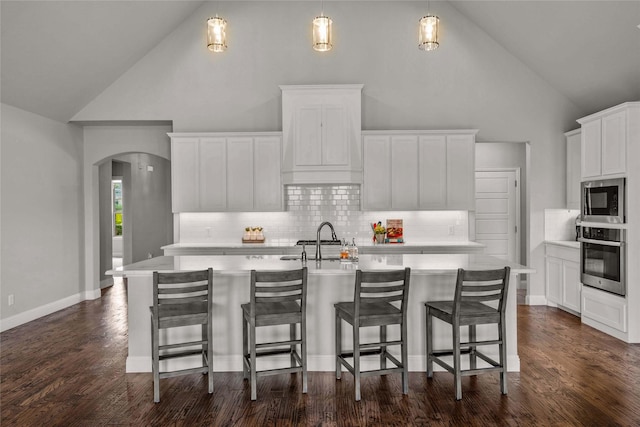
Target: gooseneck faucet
x,y
333,237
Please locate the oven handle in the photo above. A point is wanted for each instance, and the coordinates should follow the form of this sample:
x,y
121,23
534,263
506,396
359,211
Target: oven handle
x,y
601,242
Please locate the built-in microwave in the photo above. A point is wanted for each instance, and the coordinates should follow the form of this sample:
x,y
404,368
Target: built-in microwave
x,y
603,201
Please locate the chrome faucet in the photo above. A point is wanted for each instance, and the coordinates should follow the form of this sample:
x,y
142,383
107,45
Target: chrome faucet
x,y
333,237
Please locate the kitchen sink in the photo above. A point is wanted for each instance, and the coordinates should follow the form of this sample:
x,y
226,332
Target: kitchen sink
x,y
311,258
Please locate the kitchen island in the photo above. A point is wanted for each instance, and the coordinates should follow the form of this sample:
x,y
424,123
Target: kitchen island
x,y
432,278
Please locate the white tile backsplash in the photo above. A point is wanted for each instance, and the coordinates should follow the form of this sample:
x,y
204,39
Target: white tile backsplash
x,y
560,224
308,206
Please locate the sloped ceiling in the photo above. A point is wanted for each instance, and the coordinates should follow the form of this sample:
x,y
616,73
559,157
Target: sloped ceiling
x,y
56,56
59,55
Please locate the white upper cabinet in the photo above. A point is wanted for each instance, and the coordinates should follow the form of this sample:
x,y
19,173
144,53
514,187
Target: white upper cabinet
x,y
225,172
604,143
573,169
416,170
321,129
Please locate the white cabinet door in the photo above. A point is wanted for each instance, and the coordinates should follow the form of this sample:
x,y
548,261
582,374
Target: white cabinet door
x,y
571,285
240,169
377,173
591,153
404,172
308,142
335,137
267,194
213,174
184,175
573,170
614,152
554,279
433,171
460,172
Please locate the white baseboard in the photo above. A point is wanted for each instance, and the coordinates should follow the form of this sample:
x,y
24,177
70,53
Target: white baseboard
x,y
536,300
106,282
92,294
38,312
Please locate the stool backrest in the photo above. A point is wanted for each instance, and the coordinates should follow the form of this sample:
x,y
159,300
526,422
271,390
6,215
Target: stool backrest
x,y
279,286
382,286
182,287
482,286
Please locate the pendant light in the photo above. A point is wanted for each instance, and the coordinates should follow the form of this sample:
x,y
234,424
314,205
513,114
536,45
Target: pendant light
x,y
216,34
321,28
428,31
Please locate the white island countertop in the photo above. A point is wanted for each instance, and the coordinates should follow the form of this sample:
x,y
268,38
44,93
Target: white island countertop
x,y
241,264
288,247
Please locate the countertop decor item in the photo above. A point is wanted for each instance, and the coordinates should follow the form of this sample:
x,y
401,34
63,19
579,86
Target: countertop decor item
x,y
253,235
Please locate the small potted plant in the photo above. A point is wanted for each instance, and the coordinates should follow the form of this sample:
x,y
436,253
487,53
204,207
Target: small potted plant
x,y
379,232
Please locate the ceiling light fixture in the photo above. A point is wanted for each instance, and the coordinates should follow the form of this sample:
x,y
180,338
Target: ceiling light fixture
x,y
321,28
216,34
428,31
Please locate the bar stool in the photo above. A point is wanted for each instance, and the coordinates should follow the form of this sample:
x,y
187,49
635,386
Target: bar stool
x,y
380,299
468,308
277,298
181,299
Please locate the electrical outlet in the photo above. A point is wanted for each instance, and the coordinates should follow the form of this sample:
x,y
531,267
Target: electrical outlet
x,y
11,299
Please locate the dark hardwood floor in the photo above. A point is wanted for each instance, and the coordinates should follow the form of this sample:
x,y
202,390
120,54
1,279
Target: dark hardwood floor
x,y
68,369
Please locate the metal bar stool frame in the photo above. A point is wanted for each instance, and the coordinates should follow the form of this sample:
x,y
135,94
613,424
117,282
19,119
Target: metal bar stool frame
x,y
276,298
182,299
374,293
468,308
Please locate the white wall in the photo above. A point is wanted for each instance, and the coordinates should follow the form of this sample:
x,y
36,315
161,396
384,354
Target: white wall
x,y
41,222
469,82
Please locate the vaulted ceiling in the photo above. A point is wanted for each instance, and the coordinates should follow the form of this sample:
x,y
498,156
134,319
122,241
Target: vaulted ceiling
x,y
56,56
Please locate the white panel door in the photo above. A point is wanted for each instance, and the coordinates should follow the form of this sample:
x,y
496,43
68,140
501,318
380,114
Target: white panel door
x,y
591,149
497,203
240,169
433,171
335,138
307,146
404,172
213,174
377,173
614,147
268,188
184,175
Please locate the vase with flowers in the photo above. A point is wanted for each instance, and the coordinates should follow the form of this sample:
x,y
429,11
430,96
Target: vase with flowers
x,y
379,232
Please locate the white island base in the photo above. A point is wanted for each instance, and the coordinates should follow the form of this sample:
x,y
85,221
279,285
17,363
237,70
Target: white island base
x,y
432,278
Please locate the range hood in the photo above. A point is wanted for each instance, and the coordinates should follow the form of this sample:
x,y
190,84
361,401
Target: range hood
x,y
321,131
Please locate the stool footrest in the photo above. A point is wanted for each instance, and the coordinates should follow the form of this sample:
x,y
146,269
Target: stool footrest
x,y
182,344
184,353
169,374
278,343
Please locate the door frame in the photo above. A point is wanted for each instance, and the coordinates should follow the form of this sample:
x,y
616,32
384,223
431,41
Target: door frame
x,y
518,213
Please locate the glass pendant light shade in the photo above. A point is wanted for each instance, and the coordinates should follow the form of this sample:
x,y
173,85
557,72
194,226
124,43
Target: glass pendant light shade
x,y
322,33
216,34
428,32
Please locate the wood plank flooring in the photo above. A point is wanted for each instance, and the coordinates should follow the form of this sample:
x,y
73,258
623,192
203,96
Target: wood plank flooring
x,y
68,369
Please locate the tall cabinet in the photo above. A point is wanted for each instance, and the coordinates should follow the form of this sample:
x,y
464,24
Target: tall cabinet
x,y
610,145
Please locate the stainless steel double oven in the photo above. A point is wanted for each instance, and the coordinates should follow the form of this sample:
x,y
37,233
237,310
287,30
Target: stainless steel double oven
x,y
602,245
